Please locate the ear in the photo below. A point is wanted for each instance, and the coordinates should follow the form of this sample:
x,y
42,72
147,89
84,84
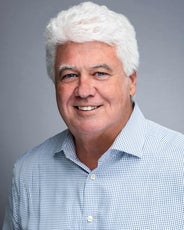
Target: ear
x,y
133,80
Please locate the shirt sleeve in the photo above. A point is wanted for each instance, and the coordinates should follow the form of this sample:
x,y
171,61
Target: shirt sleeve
x,y
11,220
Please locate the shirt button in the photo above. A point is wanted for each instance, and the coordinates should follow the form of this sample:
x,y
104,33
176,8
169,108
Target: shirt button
x,y
90,219
93,176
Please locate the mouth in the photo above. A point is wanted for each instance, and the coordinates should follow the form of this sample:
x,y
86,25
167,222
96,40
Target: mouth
x,y
86,108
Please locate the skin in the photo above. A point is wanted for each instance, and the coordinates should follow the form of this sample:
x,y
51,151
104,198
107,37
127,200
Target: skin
x,y
93,95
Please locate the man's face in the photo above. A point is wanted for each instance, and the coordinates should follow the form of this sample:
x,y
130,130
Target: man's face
x,y
93,92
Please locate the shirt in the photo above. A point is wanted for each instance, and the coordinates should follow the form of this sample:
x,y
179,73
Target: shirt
x,y
138,184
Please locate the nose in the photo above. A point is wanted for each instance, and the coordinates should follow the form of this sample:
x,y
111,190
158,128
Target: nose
x,y
85,88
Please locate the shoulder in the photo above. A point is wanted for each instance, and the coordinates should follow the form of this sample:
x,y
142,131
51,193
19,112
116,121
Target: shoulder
x,y
164,139
41,154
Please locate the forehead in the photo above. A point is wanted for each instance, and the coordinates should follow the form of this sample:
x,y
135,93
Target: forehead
x,y
87,53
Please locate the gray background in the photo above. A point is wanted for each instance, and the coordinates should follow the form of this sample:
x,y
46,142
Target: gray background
x,y
28,112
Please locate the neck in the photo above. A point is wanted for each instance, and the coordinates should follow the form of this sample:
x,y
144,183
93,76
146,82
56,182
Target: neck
x,y
90,149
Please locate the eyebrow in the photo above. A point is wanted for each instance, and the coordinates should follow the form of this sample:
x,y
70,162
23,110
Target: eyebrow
x,y
66,67
104,66
74,68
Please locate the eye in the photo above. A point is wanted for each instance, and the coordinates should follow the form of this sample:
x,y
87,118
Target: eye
x,y
68,77
101,74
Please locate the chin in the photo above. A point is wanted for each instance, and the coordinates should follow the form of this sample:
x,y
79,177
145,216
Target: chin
x,y
86,130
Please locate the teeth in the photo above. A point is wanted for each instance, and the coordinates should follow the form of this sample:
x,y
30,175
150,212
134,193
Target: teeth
x,y
86,108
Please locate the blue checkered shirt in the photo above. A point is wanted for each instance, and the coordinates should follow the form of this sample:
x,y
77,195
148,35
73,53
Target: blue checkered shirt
x,y
138,184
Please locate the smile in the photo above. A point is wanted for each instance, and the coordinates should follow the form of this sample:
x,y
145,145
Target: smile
x,y
86,108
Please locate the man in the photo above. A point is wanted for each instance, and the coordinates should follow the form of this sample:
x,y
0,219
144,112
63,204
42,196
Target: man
x,y
112,169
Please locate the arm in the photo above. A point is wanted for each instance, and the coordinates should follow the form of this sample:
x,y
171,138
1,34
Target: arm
x,y
11,220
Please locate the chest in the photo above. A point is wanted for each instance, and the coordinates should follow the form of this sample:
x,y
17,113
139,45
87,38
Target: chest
x,y
121,197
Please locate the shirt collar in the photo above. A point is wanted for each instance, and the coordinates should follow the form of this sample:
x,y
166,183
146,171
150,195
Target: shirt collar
x,y
130,140
132,137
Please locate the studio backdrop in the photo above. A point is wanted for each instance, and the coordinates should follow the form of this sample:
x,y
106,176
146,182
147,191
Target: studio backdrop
x,y
28,111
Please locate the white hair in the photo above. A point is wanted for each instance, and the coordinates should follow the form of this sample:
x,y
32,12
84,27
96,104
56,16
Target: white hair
x,y
90,22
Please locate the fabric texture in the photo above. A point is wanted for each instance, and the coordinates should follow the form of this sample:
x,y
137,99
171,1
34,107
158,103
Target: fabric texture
x,y
138,183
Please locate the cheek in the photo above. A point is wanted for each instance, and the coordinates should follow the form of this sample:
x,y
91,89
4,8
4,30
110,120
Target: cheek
x,y
58,93
115,96
121,90
60,97
64,95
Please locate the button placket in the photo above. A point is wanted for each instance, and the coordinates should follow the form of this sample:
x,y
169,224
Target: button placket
x,y
90,218
91,202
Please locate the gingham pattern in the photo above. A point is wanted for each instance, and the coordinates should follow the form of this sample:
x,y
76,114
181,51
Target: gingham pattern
x,y
138,183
